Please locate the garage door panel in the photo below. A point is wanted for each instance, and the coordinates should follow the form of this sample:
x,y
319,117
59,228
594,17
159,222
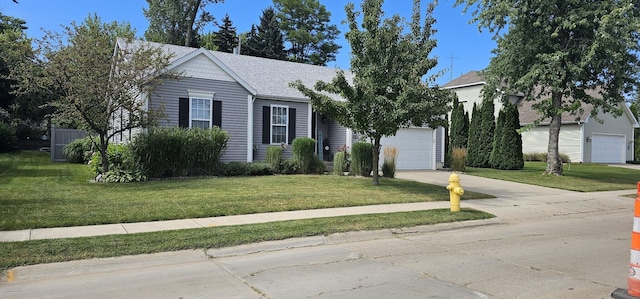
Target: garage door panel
x,y
415,150
608,148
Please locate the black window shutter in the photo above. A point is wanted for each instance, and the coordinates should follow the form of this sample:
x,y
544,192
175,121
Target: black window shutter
x,y
266,124
292,125
183,112
217,114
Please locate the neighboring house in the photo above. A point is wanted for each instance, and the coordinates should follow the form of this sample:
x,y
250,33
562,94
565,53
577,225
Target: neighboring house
x,y
582,138
250,98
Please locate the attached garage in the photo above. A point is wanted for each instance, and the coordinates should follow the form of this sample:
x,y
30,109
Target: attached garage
x,y
606,148
415,148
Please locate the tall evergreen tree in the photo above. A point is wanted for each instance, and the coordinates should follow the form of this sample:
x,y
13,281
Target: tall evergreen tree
x,y
487,128
226,38
459,132
307,30
511,140
266,40
473,143
497,152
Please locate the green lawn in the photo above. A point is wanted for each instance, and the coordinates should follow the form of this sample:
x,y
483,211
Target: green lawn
x,y
576,177
58,250
35,193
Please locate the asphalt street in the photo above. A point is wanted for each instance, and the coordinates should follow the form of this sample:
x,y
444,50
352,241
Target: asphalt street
x,y
544,243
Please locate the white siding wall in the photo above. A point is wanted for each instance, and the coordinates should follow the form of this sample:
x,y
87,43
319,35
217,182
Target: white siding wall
x,y
536,140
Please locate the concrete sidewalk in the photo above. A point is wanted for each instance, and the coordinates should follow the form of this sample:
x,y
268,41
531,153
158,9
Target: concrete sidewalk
x,y
509,195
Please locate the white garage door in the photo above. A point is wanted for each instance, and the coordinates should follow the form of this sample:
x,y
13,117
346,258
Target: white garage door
x,y
415,148
608,148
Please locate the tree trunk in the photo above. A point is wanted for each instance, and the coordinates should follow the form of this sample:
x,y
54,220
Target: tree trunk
x,y
103,153
192,19
376,160
554,163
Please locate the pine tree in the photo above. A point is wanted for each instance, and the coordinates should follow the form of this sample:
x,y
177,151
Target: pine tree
x,y
473,143
487,128
458,133
496,157
267,40
511,140
226,36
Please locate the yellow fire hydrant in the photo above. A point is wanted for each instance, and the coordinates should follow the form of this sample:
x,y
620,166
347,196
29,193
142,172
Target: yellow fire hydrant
x,y
455,191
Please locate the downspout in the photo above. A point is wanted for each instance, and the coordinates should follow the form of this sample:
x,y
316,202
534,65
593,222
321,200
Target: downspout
x,y
250,149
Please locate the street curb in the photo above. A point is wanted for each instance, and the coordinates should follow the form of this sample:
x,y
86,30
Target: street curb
x,y
346,237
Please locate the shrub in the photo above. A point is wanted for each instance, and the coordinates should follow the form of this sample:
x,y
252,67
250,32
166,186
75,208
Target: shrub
x,y
79,150
347,156
120,158
304,153
260,169
288,167
166,152
389,163
274,157
123,176
7,136
362,159
458,157
338,163
235,168
317,166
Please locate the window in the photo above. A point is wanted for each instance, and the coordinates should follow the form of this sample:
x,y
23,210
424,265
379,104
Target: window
x,y
200,113
279,124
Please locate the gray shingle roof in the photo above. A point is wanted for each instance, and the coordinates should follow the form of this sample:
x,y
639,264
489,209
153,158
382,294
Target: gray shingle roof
x,y
470,78
270,78
527,114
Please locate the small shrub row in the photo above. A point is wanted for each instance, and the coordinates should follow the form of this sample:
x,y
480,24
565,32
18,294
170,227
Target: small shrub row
x,y
542,157
304,160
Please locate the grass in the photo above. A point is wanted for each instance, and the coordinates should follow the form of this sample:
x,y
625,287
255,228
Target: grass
x,y
36,193
577,177
58,250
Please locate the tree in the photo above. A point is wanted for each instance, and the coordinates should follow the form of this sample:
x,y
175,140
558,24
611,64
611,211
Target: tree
x,y
473,143
98,84
571,47
497,150
459,127
177,22
388,64
511,140
208,41
487,129
307,30
266,39
226,37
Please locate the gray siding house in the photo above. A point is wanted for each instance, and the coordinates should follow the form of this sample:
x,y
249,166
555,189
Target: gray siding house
x,y
250,98
582,138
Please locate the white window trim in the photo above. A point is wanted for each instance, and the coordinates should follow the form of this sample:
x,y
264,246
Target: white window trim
x,y
205,95
271,124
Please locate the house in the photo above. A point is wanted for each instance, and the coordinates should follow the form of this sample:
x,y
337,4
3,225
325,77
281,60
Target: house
x,y
582,138
250,98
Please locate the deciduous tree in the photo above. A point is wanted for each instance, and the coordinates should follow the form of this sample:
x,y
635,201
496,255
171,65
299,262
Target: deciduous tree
x,y
177,22
307,29
97,84
556,51
388,63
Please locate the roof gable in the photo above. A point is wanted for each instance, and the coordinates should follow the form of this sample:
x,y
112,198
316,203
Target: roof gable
x,y
469,79
262,77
